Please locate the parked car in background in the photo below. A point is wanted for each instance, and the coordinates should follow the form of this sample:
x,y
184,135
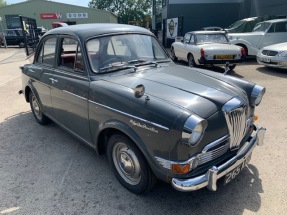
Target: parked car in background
x,y
212,28
273,56
264,34
247,24
115,88
207,48
13,37
59,24
41,31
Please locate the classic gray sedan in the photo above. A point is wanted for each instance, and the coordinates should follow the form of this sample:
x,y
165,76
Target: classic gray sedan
x,y
115,88
273,56
207,48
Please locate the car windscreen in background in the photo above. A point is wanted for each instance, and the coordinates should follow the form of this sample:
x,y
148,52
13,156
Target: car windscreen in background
x,y
31,34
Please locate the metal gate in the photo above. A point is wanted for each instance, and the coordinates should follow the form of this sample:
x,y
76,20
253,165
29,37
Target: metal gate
x,y
30,33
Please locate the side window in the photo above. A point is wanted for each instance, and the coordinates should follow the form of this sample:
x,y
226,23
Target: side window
x,y
280,27
70,55
187,38
192,39
272,28
47,53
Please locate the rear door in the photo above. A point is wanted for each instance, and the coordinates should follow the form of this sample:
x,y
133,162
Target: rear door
x,y
42,71
70,89
277,33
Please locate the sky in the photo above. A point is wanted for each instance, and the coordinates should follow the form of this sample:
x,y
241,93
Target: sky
x,y
83,3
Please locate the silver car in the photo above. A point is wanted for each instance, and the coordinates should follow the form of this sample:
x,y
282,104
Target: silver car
x,y
273,56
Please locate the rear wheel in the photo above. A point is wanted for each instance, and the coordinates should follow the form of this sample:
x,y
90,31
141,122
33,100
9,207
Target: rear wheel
x,y
37,110
190,60
129,165
21,44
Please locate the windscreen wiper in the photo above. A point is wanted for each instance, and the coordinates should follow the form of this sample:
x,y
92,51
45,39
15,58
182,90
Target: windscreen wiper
x,y
116,66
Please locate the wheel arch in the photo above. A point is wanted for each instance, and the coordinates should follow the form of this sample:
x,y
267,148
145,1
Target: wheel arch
x,y
116,127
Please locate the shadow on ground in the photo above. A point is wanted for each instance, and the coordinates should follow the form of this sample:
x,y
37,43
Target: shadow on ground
x,y
45,170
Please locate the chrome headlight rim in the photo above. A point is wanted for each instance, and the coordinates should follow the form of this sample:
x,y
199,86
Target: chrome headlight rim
x,y
257,94
193,130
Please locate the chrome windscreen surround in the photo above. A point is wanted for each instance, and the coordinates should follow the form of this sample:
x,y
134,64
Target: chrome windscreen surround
x,y
235,112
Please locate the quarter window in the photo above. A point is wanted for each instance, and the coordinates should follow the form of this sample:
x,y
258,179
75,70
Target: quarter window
x,y
280,27
187,38
47,53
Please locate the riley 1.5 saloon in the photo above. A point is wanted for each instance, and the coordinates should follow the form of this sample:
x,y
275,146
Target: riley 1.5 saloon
x,y
115,88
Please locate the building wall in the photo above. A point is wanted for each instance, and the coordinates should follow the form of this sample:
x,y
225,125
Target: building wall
x,y
35,8
268,7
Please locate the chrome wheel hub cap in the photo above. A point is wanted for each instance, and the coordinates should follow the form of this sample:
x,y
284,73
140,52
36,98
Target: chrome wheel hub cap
x,y
126,163
36,107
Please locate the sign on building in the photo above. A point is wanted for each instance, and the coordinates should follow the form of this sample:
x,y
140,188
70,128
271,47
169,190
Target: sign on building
x,y
77,15
172,28
51,16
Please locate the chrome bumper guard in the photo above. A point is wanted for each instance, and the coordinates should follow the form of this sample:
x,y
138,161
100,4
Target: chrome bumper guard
x,y
209,179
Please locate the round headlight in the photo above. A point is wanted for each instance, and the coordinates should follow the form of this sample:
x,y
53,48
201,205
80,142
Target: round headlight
x,y
283,54
257,94
193,130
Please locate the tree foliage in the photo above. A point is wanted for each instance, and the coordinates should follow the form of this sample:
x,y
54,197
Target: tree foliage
x,y
126,10
2,3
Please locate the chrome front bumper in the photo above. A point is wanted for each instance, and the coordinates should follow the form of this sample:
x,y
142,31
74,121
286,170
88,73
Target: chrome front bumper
x,y
209,179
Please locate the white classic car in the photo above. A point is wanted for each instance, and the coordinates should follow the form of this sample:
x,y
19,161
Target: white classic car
x,y
207,48
273,56
264,34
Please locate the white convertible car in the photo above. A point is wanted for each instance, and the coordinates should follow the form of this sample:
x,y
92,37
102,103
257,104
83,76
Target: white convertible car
x,y
207,48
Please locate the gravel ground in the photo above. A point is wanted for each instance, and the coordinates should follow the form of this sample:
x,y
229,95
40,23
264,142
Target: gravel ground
x,y
44,170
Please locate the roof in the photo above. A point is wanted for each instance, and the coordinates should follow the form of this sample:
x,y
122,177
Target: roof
x,y
88,30
275,20
207,32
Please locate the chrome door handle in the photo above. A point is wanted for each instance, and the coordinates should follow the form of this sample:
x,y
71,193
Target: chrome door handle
x,y
53,80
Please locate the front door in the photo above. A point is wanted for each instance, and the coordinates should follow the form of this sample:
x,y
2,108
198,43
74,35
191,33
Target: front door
x,y
70,88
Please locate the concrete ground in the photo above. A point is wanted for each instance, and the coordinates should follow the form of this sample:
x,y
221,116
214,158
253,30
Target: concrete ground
x,y
44,170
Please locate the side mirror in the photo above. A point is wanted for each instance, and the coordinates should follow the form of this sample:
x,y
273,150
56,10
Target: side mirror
x,y
179,39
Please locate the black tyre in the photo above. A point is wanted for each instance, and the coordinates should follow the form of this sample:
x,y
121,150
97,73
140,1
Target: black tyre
x,y
21,44
129,165
190,60
232,67
37,110
174,58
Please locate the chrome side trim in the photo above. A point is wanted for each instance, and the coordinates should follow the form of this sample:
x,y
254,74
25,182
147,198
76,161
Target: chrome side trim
x,y
71,74
75,95
132,116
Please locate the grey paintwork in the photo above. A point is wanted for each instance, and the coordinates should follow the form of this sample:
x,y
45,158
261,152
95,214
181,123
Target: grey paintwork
x,y
89,104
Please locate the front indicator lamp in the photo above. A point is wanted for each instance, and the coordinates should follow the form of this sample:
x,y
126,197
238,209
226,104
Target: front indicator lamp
x,y
256,117
180,168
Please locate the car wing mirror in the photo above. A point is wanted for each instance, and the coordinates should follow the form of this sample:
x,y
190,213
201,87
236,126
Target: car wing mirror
x,y
179,39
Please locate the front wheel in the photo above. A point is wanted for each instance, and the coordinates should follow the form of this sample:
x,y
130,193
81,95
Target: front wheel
x,y
37,110
129,165
232,67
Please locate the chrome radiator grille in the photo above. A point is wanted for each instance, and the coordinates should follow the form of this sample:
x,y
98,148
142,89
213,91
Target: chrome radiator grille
x,y
236,119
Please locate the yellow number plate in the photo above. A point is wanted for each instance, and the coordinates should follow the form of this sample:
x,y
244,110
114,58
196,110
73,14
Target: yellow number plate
x,y
223,57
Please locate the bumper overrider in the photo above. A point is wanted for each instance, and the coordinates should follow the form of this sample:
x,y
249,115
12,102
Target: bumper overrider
x,y
209,179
